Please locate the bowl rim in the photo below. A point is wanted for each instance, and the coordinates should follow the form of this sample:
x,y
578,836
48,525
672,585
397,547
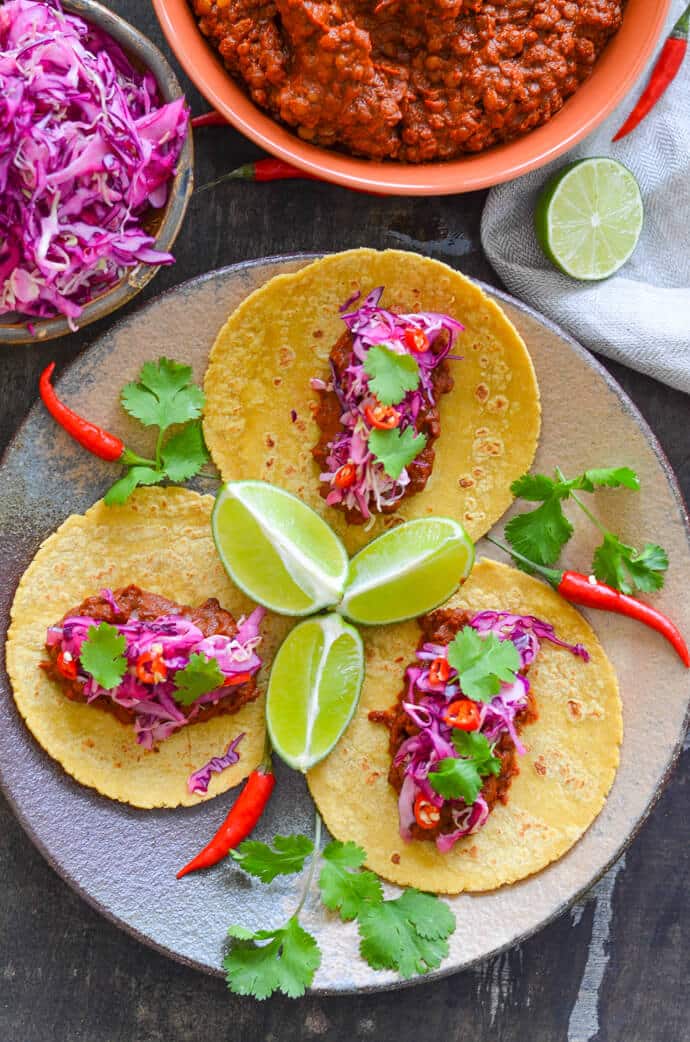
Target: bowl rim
x,y
439,178
143,49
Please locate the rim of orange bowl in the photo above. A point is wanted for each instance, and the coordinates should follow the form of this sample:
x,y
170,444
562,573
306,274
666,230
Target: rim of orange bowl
x,y
442,178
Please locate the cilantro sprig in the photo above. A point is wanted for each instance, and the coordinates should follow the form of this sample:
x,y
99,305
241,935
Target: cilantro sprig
x,y
461,777
391,375
103,655
394,449
408,934
201,675
541,534
164,397
483,663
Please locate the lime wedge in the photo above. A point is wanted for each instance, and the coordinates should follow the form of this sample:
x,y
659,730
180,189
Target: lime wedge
x,y
407,571
314,688
589,218
277,549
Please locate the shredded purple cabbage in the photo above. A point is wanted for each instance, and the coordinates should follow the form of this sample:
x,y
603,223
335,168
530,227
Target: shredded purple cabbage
x,y
85,149
174,639
371,324
426,702
199,781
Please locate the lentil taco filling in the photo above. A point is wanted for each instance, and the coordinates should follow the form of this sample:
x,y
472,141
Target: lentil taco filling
x,y
454,756
378,414
161,639
409,80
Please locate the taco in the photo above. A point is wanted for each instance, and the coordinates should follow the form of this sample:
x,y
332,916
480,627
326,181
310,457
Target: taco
x,y
388,344
148,572
449,791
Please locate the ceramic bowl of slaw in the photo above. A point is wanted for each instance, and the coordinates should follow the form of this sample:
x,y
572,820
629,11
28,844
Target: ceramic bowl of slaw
x,y
102,263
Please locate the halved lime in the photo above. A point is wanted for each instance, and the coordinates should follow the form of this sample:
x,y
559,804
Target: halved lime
x,y
407,571
314,688
277,549
589,218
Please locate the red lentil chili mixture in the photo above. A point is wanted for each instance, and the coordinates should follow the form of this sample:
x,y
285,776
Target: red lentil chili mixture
x,y
413,80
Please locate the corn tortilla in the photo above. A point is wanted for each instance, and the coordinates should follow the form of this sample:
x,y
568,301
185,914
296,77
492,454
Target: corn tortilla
x,y
281,336
160,540
571,760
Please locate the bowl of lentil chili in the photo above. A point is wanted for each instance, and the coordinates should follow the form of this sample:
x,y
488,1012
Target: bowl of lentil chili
x,y
411,98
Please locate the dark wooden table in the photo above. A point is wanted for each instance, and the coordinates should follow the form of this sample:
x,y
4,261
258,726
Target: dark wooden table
x,y
613,968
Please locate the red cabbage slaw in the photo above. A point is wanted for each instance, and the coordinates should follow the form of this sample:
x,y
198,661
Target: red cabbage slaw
x,y
371,324
174,639
85,149
425,703
200,780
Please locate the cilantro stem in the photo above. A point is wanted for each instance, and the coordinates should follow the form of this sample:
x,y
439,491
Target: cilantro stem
x,y
586,511
159,446
312,865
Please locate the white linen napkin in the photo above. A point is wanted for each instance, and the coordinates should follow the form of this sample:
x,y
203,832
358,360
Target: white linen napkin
x,y
640,316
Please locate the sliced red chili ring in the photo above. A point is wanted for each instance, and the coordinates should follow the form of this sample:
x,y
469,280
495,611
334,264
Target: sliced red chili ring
x,y
345,476
426,814
151,669
383,417
463,714
67,665
439,670
235,679
416,340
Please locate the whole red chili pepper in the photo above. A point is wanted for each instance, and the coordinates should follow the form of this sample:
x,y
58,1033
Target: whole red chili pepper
x,y
269,169
209,119
243,816
89,435
663,73
587,591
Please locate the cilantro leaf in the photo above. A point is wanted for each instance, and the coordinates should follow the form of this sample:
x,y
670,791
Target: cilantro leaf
x,y
123,488
628,569
199,676
164,395
184,453
260,860
287,963
408,934
607,477
343,891
540,534
102,655
395,449
534,487
391,375
475,746
456,779
482,663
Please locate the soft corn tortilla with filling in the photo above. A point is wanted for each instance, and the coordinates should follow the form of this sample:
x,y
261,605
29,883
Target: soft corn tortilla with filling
x,y
565,776
258,420
161,540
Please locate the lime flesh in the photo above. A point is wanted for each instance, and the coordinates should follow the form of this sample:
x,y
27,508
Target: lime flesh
x,y
314,688
407,571
589,218
277,549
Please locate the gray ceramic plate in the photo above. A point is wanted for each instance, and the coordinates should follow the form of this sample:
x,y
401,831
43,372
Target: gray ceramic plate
x,y
123,861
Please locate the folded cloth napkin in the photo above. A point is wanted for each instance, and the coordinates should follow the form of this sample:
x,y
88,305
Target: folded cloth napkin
x,y
640,316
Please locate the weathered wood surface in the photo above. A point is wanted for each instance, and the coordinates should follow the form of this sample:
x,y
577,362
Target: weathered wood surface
x,y
614,968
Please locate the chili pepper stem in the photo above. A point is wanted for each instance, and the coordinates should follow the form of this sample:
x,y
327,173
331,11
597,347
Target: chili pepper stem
x,y
552,575
130,459
312,865
242,173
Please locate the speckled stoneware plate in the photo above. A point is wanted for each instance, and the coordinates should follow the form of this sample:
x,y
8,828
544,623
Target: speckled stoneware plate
x,y
123,861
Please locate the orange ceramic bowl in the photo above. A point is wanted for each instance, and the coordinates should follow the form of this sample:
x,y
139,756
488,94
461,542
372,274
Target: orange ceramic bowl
x,y
614,75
